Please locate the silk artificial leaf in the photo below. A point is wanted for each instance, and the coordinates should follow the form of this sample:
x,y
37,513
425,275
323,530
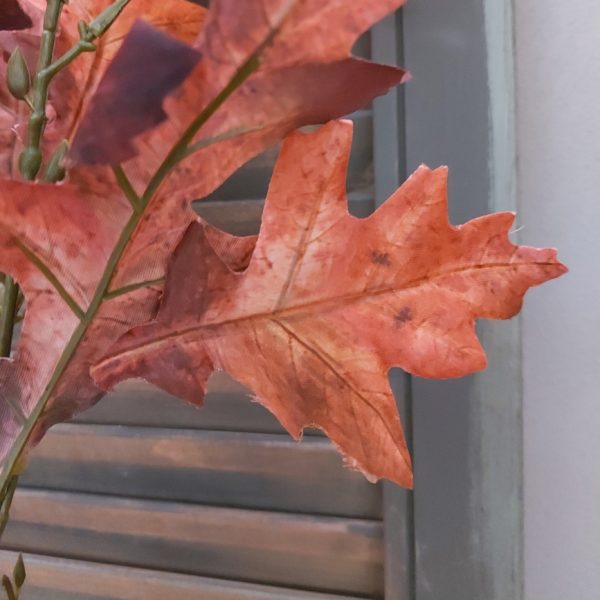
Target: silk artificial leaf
x,y
329,303
121,284
292,70
306,75
56,242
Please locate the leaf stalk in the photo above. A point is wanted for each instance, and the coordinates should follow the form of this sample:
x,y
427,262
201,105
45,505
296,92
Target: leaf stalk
x,y
7,318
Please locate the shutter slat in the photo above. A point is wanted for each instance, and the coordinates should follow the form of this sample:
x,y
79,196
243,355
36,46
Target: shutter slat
x,y
319,553
230,469
63,579
242,217
228,407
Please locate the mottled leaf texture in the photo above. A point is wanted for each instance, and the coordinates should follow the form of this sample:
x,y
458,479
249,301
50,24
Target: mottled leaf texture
x,y
149,67
329,303
57,240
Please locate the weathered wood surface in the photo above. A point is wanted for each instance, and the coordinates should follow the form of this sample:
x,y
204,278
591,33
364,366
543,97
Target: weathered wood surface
x,y
228,407
63,579
265,471
242,217
319,553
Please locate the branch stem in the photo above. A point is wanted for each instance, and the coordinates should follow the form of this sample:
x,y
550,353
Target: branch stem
x,y
88,35
29,165
31,159
127,188
7,318
180,149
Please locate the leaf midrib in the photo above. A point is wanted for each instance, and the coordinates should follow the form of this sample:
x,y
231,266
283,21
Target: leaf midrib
x,y
312,307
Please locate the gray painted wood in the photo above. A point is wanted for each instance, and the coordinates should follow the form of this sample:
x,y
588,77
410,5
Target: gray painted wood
x,y
242,217
270,472
253,180
228,407
467,433
318,553
63,579
389,167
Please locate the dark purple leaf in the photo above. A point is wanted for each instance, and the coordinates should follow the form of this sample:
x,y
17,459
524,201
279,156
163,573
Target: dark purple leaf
x,y
13,17
129,100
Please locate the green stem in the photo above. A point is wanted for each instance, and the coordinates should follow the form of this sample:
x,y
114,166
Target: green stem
x,y
180,149
31,157
7,319
88,35
132,287
127,188
29,164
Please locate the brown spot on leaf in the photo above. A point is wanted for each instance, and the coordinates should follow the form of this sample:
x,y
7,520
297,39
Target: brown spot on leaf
x,y
381,258
403,316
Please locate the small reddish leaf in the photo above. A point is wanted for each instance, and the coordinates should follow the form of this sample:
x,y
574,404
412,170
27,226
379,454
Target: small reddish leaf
x,y
129,98
329,303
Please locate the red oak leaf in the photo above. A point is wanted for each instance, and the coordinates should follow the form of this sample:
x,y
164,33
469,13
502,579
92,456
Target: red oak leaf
x,y
329,303
91,262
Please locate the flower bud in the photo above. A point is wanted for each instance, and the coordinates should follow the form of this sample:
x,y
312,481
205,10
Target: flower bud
x,y
56,169
18,77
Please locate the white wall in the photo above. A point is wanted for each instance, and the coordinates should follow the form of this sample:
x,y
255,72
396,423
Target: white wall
x,y
558,106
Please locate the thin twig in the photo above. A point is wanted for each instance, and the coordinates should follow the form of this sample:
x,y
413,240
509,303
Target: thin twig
x,y
30,160
7,317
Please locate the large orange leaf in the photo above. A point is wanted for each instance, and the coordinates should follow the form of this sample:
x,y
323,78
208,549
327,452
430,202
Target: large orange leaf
x,y
89,265
329,303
